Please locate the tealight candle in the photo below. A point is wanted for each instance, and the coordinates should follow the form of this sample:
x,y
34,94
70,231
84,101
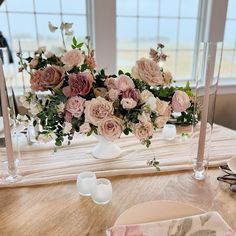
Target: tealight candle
x,y
169,132
86,182
102,193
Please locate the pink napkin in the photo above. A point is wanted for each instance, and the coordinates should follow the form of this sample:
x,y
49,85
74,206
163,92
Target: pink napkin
x,y
207,224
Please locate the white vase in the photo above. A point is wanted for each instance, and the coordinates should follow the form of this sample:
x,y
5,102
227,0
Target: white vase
x,y
106,149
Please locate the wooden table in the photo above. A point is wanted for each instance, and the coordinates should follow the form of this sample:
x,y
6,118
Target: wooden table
x,y
59,210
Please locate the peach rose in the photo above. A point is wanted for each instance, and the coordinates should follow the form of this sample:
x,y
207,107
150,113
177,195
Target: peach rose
x,y
180,101
45,79
124,82
128,103
161,121
100,92
85,128
143,131
110,83
167,76
113,94
161,106
75,105
111,128
148,71
97,109
72,58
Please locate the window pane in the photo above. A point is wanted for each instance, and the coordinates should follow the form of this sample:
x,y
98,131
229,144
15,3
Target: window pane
x,y
230,34
231,9
226,64
23,5
126,60
70,6
168,32
27,35
126,33
3,6
187,33
148,8
48,6
169,7
128,8
184,64
169,64
147,33
189,8
3,25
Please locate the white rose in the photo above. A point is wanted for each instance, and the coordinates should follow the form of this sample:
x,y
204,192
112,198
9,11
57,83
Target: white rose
x,y
67,127
35,108
85,128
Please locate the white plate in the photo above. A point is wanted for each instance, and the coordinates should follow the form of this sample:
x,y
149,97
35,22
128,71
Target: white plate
x,y
156,211
232,164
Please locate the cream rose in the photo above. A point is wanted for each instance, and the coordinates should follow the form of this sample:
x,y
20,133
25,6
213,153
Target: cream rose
x,y
152,104
161,121
124,82
72,58
148,71
180,101
97,109
85,128
111,128
128,103
145,95
144,117
143,131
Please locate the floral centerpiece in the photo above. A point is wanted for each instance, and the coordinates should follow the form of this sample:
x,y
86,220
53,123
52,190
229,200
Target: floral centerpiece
x,y
80,98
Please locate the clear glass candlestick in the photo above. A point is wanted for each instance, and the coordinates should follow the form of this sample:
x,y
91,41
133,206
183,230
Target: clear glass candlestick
x,y
86,183
102,193
169,132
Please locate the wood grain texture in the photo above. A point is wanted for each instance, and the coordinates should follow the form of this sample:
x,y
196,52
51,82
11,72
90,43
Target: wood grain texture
x,y
59,209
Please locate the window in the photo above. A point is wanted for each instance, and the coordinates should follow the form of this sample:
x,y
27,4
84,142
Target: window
x,y
142,24
228,68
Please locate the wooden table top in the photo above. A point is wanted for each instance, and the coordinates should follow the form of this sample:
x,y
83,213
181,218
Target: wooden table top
x,y
59,209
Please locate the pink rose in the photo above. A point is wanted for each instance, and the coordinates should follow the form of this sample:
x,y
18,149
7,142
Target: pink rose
x,y
68,117
45,79
110,83
132,93
72,58
124,82
148,71
85,128
143,131
110,128
113,94
97,109
180,101
75,105
128,103
79,84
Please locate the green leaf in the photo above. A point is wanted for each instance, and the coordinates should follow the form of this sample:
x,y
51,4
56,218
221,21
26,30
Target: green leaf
x,y
79,45
74,40
120,72
73,47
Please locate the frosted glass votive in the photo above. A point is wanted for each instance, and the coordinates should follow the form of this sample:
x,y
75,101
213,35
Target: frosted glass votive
x,y
102,192
169,132
86,182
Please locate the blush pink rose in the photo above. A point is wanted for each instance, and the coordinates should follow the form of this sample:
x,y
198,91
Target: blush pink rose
x,y
68,117
128,103
45,79
97,109
79,84
72,58
148,71
124,82
110,128
113,94
132,93
75,105
143,131
180,101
